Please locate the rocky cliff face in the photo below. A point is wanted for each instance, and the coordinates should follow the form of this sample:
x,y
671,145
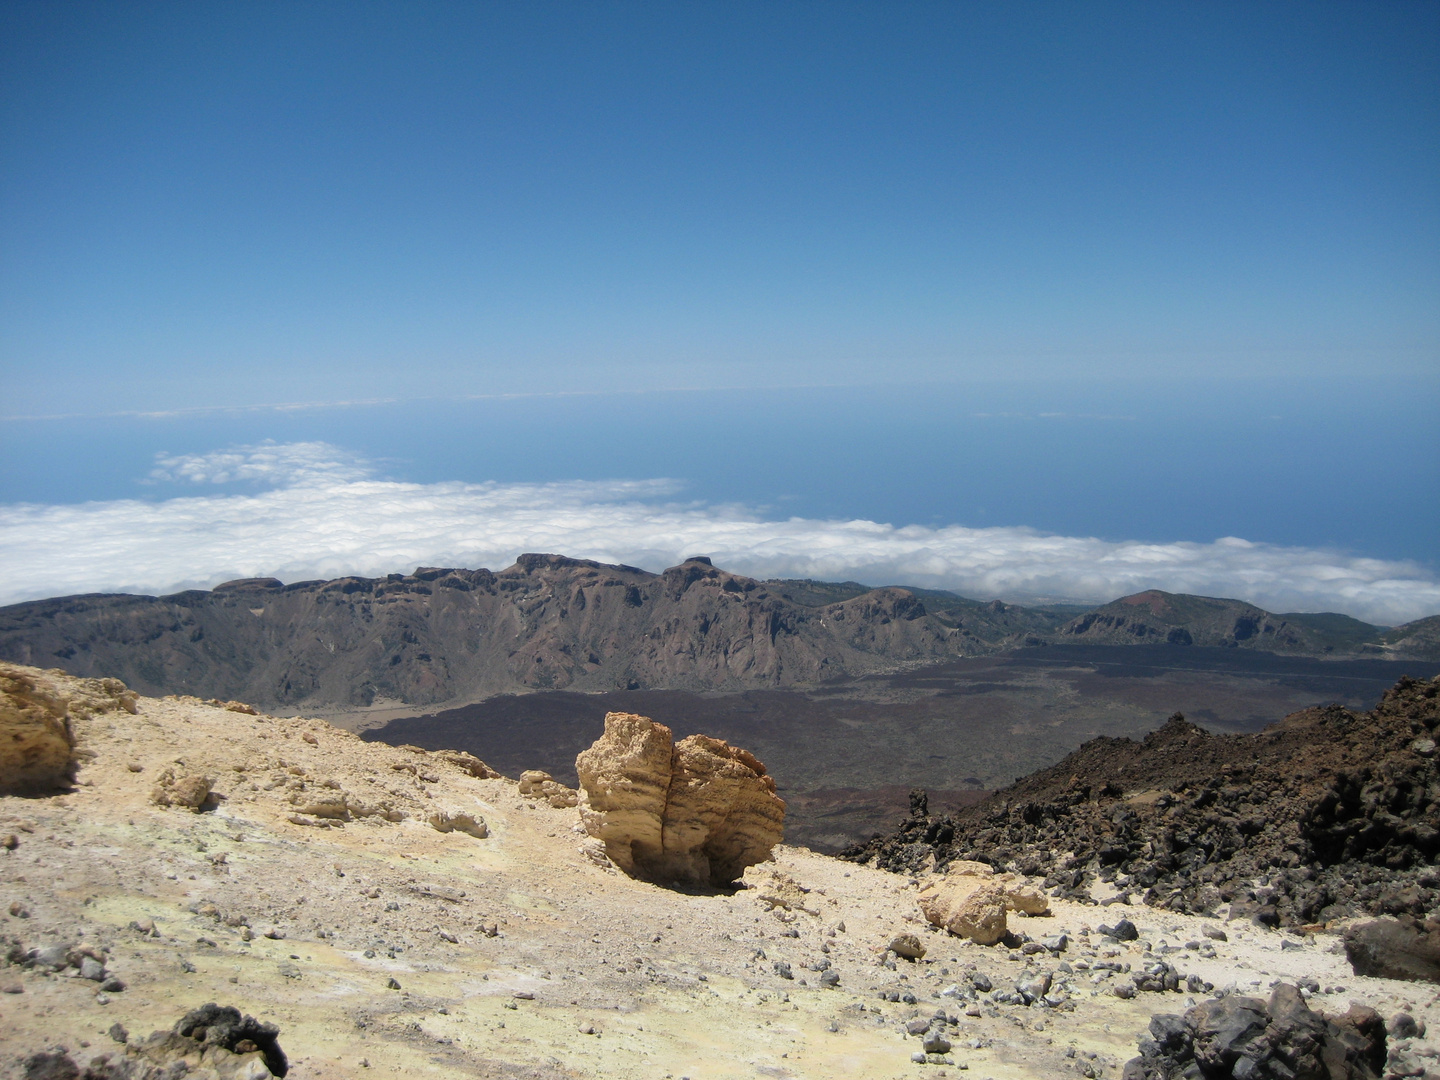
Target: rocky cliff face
x,y
439,635
548,622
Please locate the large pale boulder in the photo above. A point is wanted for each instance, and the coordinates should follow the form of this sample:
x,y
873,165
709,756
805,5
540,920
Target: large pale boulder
x,y
37,737
699,811
972,901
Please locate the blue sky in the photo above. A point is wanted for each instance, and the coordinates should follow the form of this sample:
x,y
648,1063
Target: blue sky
x,y
885,244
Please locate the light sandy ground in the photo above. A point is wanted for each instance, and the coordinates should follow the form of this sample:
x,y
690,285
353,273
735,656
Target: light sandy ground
x,y
670,982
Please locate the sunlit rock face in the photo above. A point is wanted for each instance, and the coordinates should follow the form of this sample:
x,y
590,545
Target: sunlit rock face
x,y
37,745
695,812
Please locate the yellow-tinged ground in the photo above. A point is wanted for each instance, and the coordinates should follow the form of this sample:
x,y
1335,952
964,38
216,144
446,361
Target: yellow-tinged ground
x,y
669,981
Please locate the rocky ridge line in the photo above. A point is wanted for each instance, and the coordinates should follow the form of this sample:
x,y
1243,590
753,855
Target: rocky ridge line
x,y
549,622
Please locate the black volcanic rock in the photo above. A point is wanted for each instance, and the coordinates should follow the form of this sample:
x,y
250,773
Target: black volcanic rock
x,y
1332,811
1403,948
1244,1036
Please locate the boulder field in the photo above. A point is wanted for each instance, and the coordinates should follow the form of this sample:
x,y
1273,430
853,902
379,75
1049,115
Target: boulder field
x,y
1328,815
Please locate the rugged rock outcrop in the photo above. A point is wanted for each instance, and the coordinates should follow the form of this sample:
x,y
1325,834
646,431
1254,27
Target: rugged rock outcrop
x,y
1332,812
1245,1037
1403,948
37,744
213,1042
550,622
971,900
696,812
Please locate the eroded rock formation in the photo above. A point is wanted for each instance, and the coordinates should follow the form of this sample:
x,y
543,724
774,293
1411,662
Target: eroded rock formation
x,y
536,784
699,811
37,744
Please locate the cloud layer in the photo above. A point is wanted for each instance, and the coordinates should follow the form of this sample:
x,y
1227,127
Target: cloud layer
x,y
326,514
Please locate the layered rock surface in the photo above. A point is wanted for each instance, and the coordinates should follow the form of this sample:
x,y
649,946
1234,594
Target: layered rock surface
x,y
37,746
699,811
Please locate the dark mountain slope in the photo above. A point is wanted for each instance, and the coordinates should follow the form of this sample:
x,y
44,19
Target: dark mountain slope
x,y
1328,813
989,622
1156,617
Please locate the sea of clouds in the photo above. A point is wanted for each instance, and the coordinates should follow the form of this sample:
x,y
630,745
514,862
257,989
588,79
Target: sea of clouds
x,y
312,510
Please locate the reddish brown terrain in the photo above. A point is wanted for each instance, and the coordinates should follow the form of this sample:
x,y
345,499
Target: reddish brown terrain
x,y
1329,814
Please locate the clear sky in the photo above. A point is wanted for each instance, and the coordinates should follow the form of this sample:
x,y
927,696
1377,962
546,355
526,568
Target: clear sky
x,y
1216,223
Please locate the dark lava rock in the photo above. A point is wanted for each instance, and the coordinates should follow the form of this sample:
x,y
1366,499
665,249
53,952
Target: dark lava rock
x,y
1330,810
1402,948
1124,930
209,1039
1249,1039
224,1026
49,1065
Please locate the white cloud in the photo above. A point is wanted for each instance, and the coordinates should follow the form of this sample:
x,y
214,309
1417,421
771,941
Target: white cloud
x,y
328,515
291,464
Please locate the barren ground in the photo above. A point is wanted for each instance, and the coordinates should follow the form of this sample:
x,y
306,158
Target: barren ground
x,y
669,981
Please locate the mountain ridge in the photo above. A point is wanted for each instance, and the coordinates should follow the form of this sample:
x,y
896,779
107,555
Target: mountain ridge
x,y
444,635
